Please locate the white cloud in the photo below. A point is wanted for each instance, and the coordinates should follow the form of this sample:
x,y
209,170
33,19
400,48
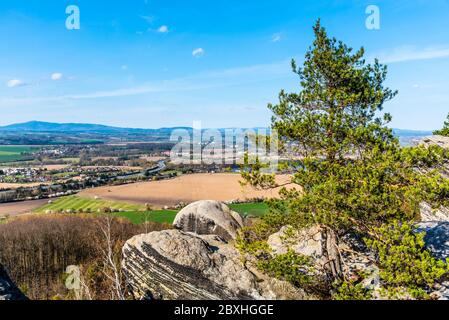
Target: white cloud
x,y
14,83
199,52
200,81
276,37
162,29
56,76
408,53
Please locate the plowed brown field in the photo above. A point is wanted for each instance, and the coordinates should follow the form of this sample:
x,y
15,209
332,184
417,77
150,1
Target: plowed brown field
x,y
187,189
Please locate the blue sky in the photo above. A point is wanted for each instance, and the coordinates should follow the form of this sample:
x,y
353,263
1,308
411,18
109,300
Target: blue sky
x,y
161,63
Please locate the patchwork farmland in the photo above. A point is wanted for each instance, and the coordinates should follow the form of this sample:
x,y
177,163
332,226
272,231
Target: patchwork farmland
x,y
14,153
135,213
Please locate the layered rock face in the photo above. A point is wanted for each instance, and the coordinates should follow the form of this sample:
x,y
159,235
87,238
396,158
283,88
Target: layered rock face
x,y
8,290
175,264
435,222
428,214
441,141
209,217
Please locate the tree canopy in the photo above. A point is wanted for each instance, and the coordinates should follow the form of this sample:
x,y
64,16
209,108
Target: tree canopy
x,y
353,175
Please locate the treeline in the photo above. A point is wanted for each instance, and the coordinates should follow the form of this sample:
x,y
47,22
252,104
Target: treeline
x,y
61,189
48,191
37,250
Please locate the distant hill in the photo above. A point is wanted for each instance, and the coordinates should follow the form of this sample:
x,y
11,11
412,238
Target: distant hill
x,y
39,126
14,133
410,137
45,133
412,133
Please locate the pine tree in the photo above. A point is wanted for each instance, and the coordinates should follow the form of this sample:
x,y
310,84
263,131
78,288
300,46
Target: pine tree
x,y
354,176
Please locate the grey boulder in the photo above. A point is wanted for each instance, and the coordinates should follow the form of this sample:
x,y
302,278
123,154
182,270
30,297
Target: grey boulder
x,y
209,217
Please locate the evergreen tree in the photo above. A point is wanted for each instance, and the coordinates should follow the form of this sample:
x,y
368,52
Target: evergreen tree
x,y
354,176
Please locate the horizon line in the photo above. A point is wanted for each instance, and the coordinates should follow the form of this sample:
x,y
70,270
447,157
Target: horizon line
x,y
168,127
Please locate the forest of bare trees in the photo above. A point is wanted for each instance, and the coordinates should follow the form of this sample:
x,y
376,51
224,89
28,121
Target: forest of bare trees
x,y
37,250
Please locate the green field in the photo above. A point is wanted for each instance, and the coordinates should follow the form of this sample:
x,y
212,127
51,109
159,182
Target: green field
x,y
134,212
139,217
257,209
75,203
14,153
168,216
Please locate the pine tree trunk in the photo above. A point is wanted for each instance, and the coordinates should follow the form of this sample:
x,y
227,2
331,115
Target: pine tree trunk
x,y
333,264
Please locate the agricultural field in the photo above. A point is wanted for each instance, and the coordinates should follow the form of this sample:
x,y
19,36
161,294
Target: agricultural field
x,y
14,153
19,208
76,204
186,189
139,217
253,209
168,216
134,212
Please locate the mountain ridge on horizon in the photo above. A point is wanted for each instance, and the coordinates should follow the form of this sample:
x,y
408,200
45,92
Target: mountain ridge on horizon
x,y
44,126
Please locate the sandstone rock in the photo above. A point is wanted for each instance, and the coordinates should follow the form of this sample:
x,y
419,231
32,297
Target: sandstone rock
x,y
443,292
354,255
441,141
8,290
428,214
174,264
209,217
307,242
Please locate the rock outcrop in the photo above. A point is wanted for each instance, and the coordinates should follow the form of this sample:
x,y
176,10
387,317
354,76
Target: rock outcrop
x,y
175,265
306,242
8,290
441,141
437,237
355,256
429,214
437,241
209,217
